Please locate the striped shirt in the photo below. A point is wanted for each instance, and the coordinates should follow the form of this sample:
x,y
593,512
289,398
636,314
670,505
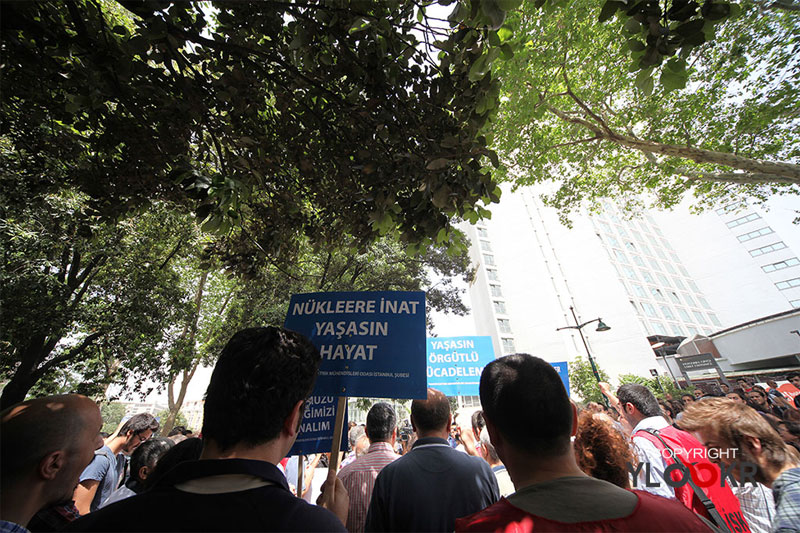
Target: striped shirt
x,y
359,479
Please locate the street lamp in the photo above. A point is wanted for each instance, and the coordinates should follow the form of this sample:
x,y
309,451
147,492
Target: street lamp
x,y
601,326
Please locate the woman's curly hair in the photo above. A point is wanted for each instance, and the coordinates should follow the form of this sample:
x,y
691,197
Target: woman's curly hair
x,y
602,451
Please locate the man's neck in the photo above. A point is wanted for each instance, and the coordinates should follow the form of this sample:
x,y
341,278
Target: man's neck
x,y
116,443
772,474
271,452
19,505
526,469
439,434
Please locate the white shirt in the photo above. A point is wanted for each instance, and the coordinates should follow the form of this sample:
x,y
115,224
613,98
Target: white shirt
x,y
647,453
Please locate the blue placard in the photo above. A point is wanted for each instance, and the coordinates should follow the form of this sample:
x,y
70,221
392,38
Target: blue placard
x,y
372,343
316,430
563,373
455,363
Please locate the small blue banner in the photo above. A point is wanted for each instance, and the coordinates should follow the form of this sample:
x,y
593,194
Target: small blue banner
x,y
455,363
563,373
316,429
372,343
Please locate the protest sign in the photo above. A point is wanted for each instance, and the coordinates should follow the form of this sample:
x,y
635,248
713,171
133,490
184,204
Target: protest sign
x,y
455,363
316,429
563,373
372,343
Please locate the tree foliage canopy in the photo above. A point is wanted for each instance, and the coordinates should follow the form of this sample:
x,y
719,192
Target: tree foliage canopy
x,y
313,119
652,100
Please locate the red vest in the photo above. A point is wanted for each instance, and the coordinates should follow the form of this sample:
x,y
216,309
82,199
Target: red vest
x,y
704,472
653,513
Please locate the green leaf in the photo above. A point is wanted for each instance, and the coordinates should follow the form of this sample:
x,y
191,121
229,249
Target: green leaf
x,y
632,26
505,33
644,81
635,45
508,5
438,164
608,10
672,81
479,68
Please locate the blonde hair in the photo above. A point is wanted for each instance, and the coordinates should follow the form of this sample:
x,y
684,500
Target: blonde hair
x,y
733,421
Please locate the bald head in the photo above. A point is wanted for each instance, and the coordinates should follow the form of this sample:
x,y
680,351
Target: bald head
x,y
431,414
31,430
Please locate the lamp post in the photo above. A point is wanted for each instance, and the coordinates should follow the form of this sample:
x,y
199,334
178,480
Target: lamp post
x,y
601,326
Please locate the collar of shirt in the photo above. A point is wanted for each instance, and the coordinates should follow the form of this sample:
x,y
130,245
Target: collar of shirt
x,y
193,470
430,441
380,446
498,468
651,422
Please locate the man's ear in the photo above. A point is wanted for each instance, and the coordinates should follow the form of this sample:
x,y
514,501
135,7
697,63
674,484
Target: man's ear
x,y
629,408
574,420
291,426
51,465
494,437
754,444
413,424
143,472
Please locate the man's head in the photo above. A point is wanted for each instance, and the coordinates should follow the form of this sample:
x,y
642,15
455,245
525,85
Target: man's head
x,y
477,423
261,379
698,393
355,434
145,457
526,406
757,397
687,399
431,417
44,446
772,384
794,379
724,388
381,423
737,395
736,432
137,430
637,403
743,383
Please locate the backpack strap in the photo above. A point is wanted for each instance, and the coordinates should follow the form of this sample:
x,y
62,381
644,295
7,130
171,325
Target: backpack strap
x,y
704,499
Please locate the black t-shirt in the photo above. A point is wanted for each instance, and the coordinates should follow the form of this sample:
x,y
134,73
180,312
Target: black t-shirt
x,y
166,507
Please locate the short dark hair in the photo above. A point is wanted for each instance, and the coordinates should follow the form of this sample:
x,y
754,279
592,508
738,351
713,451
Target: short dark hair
x,y
432,413
381,421
260,375
139,424
147,454
186,450
641,398
524,398
792,375
477,423
177,430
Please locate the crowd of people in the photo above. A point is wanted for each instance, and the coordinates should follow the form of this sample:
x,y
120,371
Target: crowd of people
x,y
530,459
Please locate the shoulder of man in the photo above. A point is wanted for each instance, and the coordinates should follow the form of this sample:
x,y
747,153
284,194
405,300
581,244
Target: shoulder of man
x,y
99,467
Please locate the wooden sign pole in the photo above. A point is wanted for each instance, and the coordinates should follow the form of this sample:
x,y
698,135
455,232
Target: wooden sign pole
x,y
338,430
300,471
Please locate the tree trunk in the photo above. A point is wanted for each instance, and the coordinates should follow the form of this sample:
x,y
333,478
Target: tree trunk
x,y
173,403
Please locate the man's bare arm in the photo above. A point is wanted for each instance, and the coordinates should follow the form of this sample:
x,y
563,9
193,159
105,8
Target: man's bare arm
x,y
84,494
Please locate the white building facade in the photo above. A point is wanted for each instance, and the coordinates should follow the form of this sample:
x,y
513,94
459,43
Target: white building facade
x,y
672,274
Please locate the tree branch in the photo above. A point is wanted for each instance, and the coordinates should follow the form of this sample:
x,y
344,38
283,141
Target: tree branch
x,y
71,354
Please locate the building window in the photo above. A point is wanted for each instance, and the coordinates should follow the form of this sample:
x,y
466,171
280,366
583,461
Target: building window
x,y
482,233
677,330
767,249
766,230
689,299
795,303
508,345
663,279
679,283
495,290
485,246
649,310
492,274
658,327
683,271
488,259
635,308
700,318
714,320
788,284
742,220
674,297
630,246
646,249
621,257
638,260
639,290
684,315
654,263
660,253
499,307
629,273
613,241
670,268
703,302
657,294
667,312
780,265
693,285
647,277
504,325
